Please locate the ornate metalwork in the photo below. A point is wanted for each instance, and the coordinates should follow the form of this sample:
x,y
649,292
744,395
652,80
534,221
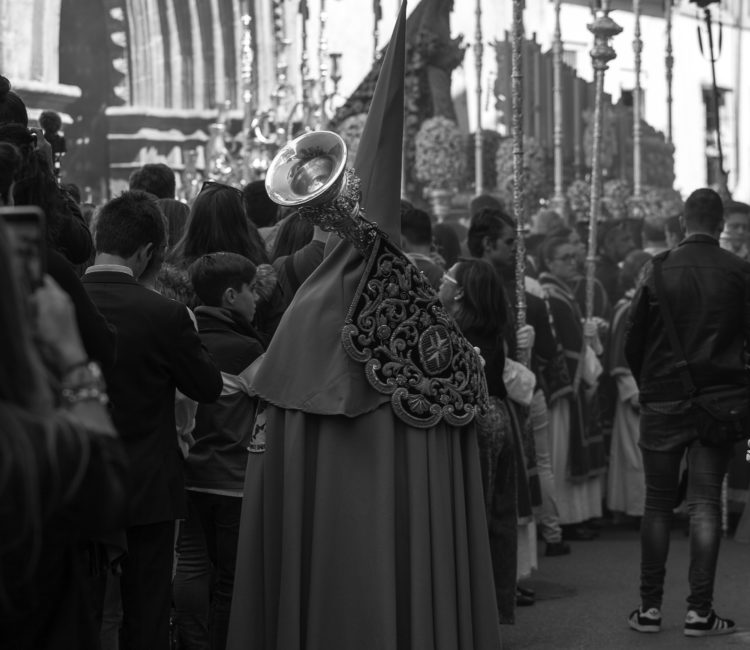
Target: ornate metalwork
x,y
411,349
344,216
253,162
603,28
637,49
669,65
722,188
478,54
517,129
377,16
558,199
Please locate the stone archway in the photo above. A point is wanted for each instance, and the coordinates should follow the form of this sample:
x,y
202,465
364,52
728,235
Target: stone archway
x,y
92,46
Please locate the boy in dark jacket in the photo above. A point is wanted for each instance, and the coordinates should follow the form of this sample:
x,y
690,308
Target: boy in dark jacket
x,y
215,467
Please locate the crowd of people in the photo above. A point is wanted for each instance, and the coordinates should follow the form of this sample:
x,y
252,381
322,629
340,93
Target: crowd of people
x,y
168,451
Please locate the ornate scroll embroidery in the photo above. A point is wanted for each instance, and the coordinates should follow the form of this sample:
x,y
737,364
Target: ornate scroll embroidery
x,y
412,350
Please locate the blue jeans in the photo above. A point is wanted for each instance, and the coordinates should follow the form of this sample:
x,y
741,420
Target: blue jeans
x,y
192,583
203,597
706,468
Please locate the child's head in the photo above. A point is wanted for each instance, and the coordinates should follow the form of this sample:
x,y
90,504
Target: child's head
x,y
225,280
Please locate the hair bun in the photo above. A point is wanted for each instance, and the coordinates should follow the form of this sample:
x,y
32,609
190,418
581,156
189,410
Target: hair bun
x,y
4,86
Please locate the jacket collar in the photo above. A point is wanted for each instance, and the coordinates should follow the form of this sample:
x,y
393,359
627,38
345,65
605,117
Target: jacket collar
x,y
109,277
225,317
699,238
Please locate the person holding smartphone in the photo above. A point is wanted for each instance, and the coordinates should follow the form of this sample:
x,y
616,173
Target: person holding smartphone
x,y
64,468
99,337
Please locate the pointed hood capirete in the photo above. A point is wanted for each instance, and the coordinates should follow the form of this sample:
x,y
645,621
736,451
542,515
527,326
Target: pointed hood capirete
x,y
306,367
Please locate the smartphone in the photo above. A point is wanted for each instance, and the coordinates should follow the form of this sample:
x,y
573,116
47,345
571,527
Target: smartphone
x,y
26,227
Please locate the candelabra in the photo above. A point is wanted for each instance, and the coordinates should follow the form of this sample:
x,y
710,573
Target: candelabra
x,y
604,29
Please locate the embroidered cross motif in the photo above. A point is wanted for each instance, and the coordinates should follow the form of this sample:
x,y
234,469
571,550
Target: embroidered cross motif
x,y
411,349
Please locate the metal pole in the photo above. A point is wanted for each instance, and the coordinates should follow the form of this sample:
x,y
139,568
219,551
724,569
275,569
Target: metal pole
x,y
304,72
517,130
723,189
478,54
246,61
603,28
323,59
558,199
637,48
669,64
377,13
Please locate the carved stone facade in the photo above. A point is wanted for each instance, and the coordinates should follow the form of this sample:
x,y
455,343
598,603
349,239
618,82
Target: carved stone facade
x,y
135,80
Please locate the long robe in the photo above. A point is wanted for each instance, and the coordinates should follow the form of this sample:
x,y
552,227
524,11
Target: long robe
x,y
626,484
578,460
358,529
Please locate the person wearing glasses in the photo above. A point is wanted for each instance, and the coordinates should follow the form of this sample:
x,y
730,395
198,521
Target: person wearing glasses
x,y
578,455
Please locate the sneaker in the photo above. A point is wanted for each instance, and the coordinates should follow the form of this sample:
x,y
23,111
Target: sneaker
x,y
709,625
648,621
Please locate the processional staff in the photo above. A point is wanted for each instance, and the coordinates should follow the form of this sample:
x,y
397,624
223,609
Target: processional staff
x,y
558,198
246,69
517,132
603,28
377,16
478,54
668,65
637,48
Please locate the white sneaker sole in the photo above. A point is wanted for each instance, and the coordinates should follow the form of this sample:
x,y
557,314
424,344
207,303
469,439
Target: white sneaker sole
x,y
699,633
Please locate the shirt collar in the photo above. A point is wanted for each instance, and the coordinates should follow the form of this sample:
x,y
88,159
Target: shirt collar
x,y
116,268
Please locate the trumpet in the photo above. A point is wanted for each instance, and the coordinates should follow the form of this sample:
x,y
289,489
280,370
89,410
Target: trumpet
x,y
309,174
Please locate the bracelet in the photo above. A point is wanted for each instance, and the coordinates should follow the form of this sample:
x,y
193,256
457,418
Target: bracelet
x,y
84,394
84,383
74,366
83,374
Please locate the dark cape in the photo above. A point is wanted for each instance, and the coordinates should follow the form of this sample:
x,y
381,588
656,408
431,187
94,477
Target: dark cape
x,y
359,529
587,453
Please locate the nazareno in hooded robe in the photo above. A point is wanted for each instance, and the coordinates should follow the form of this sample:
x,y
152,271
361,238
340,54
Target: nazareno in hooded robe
x,y
363,522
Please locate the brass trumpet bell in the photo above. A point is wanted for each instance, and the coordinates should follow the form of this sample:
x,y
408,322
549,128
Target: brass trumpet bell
x,y
308,171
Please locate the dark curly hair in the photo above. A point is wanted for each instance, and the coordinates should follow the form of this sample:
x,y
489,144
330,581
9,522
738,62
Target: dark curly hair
x,y
12,107
35,181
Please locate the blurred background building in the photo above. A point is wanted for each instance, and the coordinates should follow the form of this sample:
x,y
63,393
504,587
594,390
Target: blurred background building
x,y
144,80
